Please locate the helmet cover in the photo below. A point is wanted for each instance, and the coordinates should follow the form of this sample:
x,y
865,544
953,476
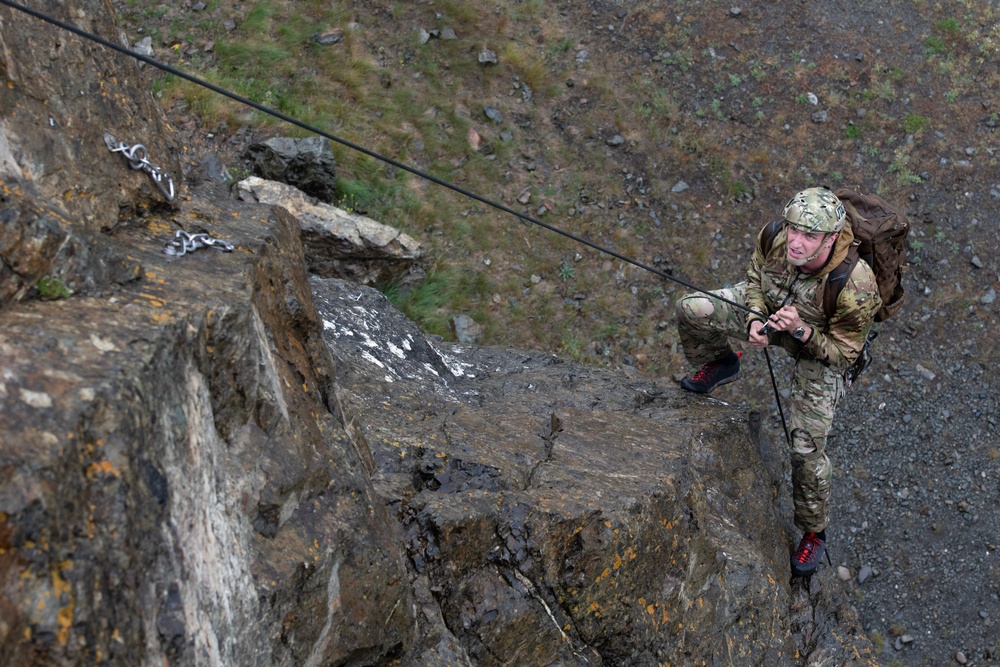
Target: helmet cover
x,y
815,210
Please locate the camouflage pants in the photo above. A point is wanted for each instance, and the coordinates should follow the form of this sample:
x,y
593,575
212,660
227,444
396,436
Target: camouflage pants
x,y
704,326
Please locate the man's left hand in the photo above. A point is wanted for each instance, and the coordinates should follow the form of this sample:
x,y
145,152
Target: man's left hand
x,y
786,318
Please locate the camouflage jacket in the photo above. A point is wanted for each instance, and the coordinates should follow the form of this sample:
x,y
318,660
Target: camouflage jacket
x,y
835,342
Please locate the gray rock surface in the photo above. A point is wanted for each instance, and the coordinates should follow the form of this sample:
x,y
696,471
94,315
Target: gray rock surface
x,y
60,95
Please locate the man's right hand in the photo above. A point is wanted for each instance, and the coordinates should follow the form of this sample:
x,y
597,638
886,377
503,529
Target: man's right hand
x,y
757,339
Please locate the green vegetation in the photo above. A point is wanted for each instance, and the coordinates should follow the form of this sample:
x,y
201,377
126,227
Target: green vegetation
x,y
913,123
51,289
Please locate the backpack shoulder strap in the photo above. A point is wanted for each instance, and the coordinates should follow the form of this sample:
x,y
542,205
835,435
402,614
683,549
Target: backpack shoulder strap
x,y
769,233
836,280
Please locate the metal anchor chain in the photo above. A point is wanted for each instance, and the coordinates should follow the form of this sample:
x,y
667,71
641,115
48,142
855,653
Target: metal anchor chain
x,y
184,243
136,155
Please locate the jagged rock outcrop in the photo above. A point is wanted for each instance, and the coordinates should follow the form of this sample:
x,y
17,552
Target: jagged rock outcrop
x,y
200,467
563,514
178,482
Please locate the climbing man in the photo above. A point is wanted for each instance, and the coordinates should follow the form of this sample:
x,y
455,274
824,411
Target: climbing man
x,y
783,297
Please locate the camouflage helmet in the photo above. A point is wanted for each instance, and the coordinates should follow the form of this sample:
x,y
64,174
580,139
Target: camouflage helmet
x,y
815,210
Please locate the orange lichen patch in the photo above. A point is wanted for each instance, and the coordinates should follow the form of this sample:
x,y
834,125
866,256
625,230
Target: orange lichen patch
x,y
65,620
158,226
104,467
154,300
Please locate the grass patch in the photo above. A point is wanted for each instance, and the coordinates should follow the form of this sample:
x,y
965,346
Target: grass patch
x,y
446,292
914,124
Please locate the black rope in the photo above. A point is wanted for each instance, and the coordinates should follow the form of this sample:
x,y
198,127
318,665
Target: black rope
x,y
395,163
777,397
360,149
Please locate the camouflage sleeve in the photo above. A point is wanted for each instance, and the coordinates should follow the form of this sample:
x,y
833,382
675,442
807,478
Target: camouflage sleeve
x,y
755,293
845,336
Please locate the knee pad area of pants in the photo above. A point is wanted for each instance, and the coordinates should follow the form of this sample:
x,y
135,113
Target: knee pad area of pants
x,y
695,307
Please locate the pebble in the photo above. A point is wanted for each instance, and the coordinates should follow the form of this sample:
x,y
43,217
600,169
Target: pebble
x,y
960,658
488,57
976,262
735,11
493,114
865,574
989,297
680,186
843,573
616,140
927,373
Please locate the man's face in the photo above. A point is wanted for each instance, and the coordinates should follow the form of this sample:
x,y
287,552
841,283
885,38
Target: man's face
x,y
804,246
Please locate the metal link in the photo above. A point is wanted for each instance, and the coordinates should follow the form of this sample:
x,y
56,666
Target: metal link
x,y
136,156
184,243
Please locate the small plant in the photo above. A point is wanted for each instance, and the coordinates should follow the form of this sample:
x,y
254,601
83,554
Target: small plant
x,y
951,96
51,289
566,271
735,79
802,98
717,109
914,123
949,25
852,131
934,46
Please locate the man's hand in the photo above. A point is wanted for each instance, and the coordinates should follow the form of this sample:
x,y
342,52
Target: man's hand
x,y
785,319
757,339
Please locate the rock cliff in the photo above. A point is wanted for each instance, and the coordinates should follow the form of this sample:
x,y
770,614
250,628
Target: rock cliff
x,y
214,459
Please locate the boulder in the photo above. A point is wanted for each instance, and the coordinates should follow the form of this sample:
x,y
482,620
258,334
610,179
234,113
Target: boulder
x,y
338,243
306,163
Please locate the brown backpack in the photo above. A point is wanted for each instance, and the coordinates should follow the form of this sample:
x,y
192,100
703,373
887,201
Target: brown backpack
x,y
879,239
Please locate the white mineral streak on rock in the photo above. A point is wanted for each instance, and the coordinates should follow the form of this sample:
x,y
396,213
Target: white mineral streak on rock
x,y
270,370
333,608
210,554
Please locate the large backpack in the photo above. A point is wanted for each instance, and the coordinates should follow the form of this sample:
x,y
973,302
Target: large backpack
x,y
879,239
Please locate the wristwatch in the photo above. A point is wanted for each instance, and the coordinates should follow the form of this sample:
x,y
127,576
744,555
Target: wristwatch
x,y
799,333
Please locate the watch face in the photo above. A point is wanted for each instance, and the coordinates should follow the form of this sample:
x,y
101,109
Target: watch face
x,y
799,333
